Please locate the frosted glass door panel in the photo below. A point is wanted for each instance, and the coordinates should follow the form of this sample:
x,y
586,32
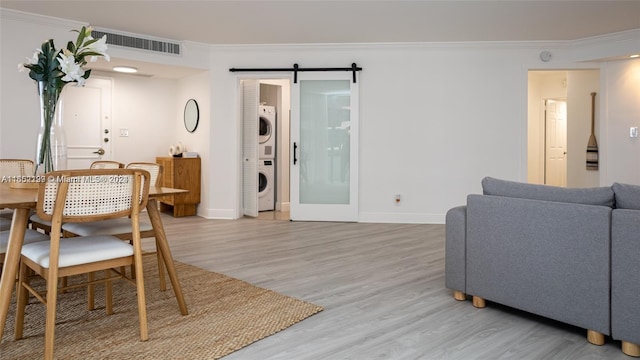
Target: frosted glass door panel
x,y
324,147
324,141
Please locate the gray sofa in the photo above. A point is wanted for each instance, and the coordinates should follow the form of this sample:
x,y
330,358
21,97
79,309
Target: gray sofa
x,y
572,255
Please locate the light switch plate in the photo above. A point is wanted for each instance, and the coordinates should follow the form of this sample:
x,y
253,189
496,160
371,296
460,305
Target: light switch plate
x,y
633,132
124,132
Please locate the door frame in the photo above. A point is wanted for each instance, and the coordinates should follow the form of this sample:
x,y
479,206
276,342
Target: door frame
x,y
258,76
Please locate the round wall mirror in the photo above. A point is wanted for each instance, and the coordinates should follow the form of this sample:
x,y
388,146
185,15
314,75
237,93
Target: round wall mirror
x,y
191,115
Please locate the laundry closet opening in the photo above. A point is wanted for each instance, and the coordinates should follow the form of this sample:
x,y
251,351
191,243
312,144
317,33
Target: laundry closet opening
x,y
266,105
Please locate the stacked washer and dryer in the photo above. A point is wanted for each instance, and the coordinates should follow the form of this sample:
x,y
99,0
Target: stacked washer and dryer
x,y
267,155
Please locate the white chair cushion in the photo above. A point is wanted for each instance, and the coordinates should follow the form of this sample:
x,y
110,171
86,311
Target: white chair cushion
x,y
30,236
36,218
105,227
5,224
79,250
6,213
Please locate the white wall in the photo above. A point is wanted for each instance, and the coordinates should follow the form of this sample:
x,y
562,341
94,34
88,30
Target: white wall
x,y
435,118
580,85
196,87
620,157
146,107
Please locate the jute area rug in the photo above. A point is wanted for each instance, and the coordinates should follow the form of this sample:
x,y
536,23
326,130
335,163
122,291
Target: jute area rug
x,y
225,314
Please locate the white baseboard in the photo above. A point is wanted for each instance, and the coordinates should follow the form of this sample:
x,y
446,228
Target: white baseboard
x,y
285,206
364,217
401,218
221,214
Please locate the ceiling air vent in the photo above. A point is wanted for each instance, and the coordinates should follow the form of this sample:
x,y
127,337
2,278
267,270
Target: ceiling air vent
x,y
160,46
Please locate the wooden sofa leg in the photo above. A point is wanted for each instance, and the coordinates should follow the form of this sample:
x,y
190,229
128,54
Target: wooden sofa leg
x,y
459,295
631,349
479,302
595,337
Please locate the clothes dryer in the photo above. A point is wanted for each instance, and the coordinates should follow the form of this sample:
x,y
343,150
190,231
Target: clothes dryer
x,y
267,132
266,185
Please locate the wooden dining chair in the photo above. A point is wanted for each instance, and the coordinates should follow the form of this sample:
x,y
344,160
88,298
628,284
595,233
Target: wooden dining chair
x,y
30,236
16,167
78,196
120,227
45,226
13,168
106,164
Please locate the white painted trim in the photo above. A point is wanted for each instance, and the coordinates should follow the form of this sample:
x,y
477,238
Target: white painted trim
x,y
38,19
285,206
221,214
401,218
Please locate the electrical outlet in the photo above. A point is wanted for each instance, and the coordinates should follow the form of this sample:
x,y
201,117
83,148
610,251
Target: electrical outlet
x,y
397,199
633,132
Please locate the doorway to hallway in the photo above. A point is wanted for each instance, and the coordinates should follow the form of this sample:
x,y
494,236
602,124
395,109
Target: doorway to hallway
x,y
551,159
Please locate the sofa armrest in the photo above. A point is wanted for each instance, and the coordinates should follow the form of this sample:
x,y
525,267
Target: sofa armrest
x,y
625,278
548,258
455,248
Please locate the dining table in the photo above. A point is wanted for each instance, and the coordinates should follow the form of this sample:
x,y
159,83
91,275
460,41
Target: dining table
x,y
23,200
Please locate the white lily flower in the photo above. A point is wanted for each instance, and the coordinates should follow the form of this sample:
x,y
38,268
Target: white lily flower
x,y
35,57
99,47
63,64
72,70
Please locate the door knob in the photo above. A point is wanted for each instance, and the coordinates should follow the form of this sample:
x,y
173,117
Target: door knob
x,y
99,152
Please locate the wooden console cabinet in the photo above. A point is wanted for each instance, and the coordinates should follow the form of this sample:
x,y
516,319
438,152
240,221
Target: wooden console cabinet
x,y
180,173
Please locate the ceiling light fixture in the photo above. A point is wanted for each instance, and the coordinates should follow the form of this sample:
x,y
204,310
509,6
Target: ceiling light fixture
x,y
125,69
635,56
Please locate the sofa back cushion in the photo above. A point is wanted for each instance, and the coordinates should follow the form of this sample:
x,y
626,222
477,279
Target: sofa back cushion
x,y
627,196
602,196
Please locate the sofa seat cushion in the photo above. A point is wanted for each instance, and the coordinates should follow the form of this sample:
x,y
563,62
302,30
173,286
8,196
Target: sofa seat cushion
x,y
627,196
603,196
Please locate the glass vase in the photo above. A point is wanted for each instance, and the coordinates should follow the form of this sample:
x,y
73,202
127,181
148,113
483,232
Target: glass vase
x,y
51,151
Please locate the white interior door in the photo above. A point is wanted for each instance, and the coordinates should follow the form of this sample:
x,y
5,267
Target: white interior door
x,y
324,147
250,102
556,143
87,122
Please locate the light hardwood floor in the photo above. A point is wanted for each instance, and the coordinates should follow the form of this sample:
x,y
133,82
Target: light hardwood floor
x,y
382,289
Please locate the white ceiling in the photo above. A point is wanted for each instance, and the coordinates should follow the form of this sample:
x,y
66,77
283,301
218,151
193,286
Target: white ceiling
x,y
302,21
305,21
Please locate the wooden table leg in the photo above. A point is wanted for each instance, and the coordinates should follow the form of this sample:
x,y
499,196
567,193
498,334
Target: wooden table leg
x,y
11,261
163,248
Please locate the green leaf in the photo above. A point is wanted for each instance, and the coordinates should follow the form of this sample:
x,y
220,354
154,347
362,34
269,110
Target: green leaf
x,y
89,42
37,76
80,36
71,47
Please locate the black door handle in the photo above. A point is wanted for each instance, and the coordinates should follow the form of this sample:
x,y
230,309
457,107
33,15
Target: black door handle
x,y
295,151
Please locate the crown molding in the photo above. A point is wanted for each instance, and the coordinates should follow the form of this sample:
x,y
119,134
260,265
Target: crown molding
x,y
38,19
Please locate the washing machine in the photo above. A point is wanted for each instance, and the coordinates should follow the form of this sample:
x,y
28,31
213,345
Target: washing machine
x,y
267,132
266,185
